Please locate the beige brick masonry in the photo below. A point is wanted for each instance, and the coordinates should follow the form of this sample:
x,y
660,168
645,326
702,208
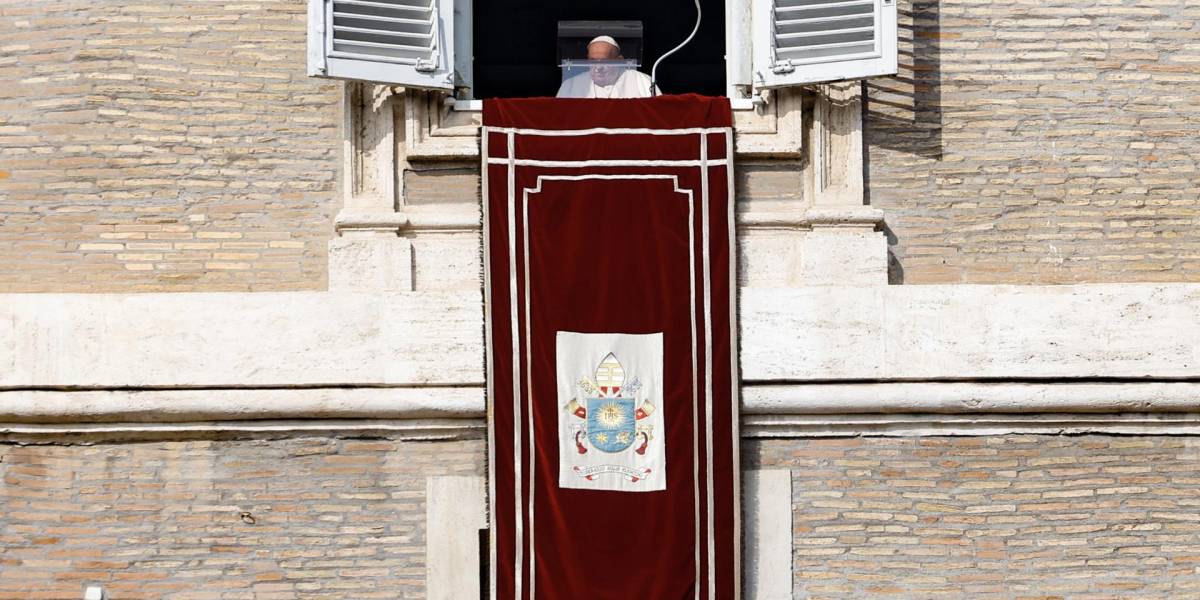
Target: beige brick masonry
x,y
307,517
180,146
324,517
1040,142
162,146
992,517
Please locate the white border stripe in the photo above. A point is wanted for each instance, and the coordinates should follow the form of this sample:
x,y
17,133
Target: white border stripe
x,y
580,164
607,176
529,401
695,393
487,332
516,350
526,192
708,346
608,131
735,402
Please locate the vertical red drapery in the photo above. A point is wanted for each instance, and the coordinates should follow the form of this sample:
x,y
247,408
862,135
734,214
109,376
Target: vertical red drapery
x,y
611,342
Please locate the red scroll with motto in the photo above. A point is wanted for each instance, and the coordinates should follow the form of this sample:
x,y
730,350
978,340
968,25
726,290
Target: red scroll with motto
x,y
612,376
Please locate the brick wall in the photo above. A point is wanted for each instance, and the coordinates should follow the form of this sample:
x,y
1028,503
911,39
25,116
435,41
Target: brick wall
x,y
179,146
324,518
1048,517
1001,516
162,146
1050,141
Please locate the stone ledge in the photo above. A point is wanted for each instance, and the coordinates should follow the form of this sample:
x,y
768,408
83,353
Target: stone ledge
x,y
850,216
425,220
199,405
809,335
816,402
982,397
904,425
753,426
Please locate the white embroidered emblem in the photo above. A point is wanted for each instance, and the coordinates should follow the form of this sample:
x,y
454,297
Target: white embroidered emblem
x,y
611,423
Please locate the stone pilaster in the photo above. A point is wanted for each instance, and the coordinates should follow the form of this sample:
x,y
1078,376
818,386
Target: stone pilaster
x,y
369,253
845,244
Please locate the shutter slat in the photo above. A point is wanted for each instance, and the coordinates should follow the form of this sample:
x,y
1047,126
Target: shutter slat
x,y
796,22
381,45
365,9
823,50
339,16
413,5
385,53
824,32
781,8
422,39
408,29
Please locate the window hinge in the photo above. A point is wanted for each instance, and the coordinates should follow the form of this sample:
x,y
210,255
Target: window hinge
x,y
762,98
782,67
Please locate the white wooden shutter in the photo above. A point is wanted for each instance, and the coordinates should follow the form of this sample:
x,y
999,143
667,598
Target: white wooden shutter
x,y
810,41
404,42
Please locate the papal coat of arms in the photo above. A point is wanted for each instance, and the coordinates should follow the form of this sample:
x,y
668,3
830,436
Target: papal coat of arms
x,y
611,417
614,417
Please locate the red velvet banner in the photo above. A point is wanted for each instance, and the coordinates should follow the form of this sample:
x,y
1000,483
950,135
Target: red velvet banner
x,y
612,376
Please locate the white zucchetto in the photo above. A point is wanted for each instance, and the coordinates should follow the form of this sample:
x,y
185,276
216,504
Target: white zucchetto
x,y
607,39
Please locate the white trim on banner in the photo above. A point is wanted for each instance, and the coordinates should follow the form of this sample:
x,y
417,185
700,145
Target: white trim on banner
x,y
734,400
708,386
519,551
608,131
487,331
583,164
692,302
529,401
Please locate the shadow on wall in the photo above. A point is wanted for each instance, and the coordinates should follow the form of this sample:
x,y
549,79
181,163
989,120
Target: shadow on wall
x,y
895,270
904,113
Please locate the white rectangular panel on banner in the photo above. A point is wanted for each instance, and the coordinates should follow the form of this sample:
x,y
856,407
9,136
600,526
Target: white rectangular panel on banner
x,y
611,429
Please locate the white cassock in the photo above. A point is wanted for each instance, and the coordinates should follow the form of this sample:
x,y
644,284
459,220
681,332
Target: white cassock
x,y
630,84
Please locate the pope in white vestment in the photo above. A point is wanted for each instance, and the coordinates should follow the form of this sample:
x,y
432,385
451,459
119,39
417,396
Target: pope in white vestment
x,y
606,81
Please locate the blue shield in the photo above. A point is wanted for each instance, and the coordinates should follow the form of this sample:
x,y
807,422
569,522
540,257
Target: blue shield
x,y
610,423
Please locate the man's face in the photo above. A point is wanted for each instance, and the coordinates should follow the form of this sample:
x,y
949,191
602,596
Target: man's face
x,y
604,74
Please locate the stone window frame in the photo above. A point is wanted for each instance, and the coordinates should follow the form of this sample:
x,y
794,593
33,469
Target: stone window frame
x,y
437,127
758,58
386,130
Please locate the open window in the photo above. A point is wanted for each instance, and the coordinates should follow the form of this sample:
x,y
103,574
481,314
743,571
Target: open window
x,y
517,54
506,48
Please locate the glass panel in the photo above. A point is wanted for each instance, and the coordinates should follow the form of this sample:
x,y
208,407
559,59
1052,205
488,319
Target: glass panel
x,y
617,78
